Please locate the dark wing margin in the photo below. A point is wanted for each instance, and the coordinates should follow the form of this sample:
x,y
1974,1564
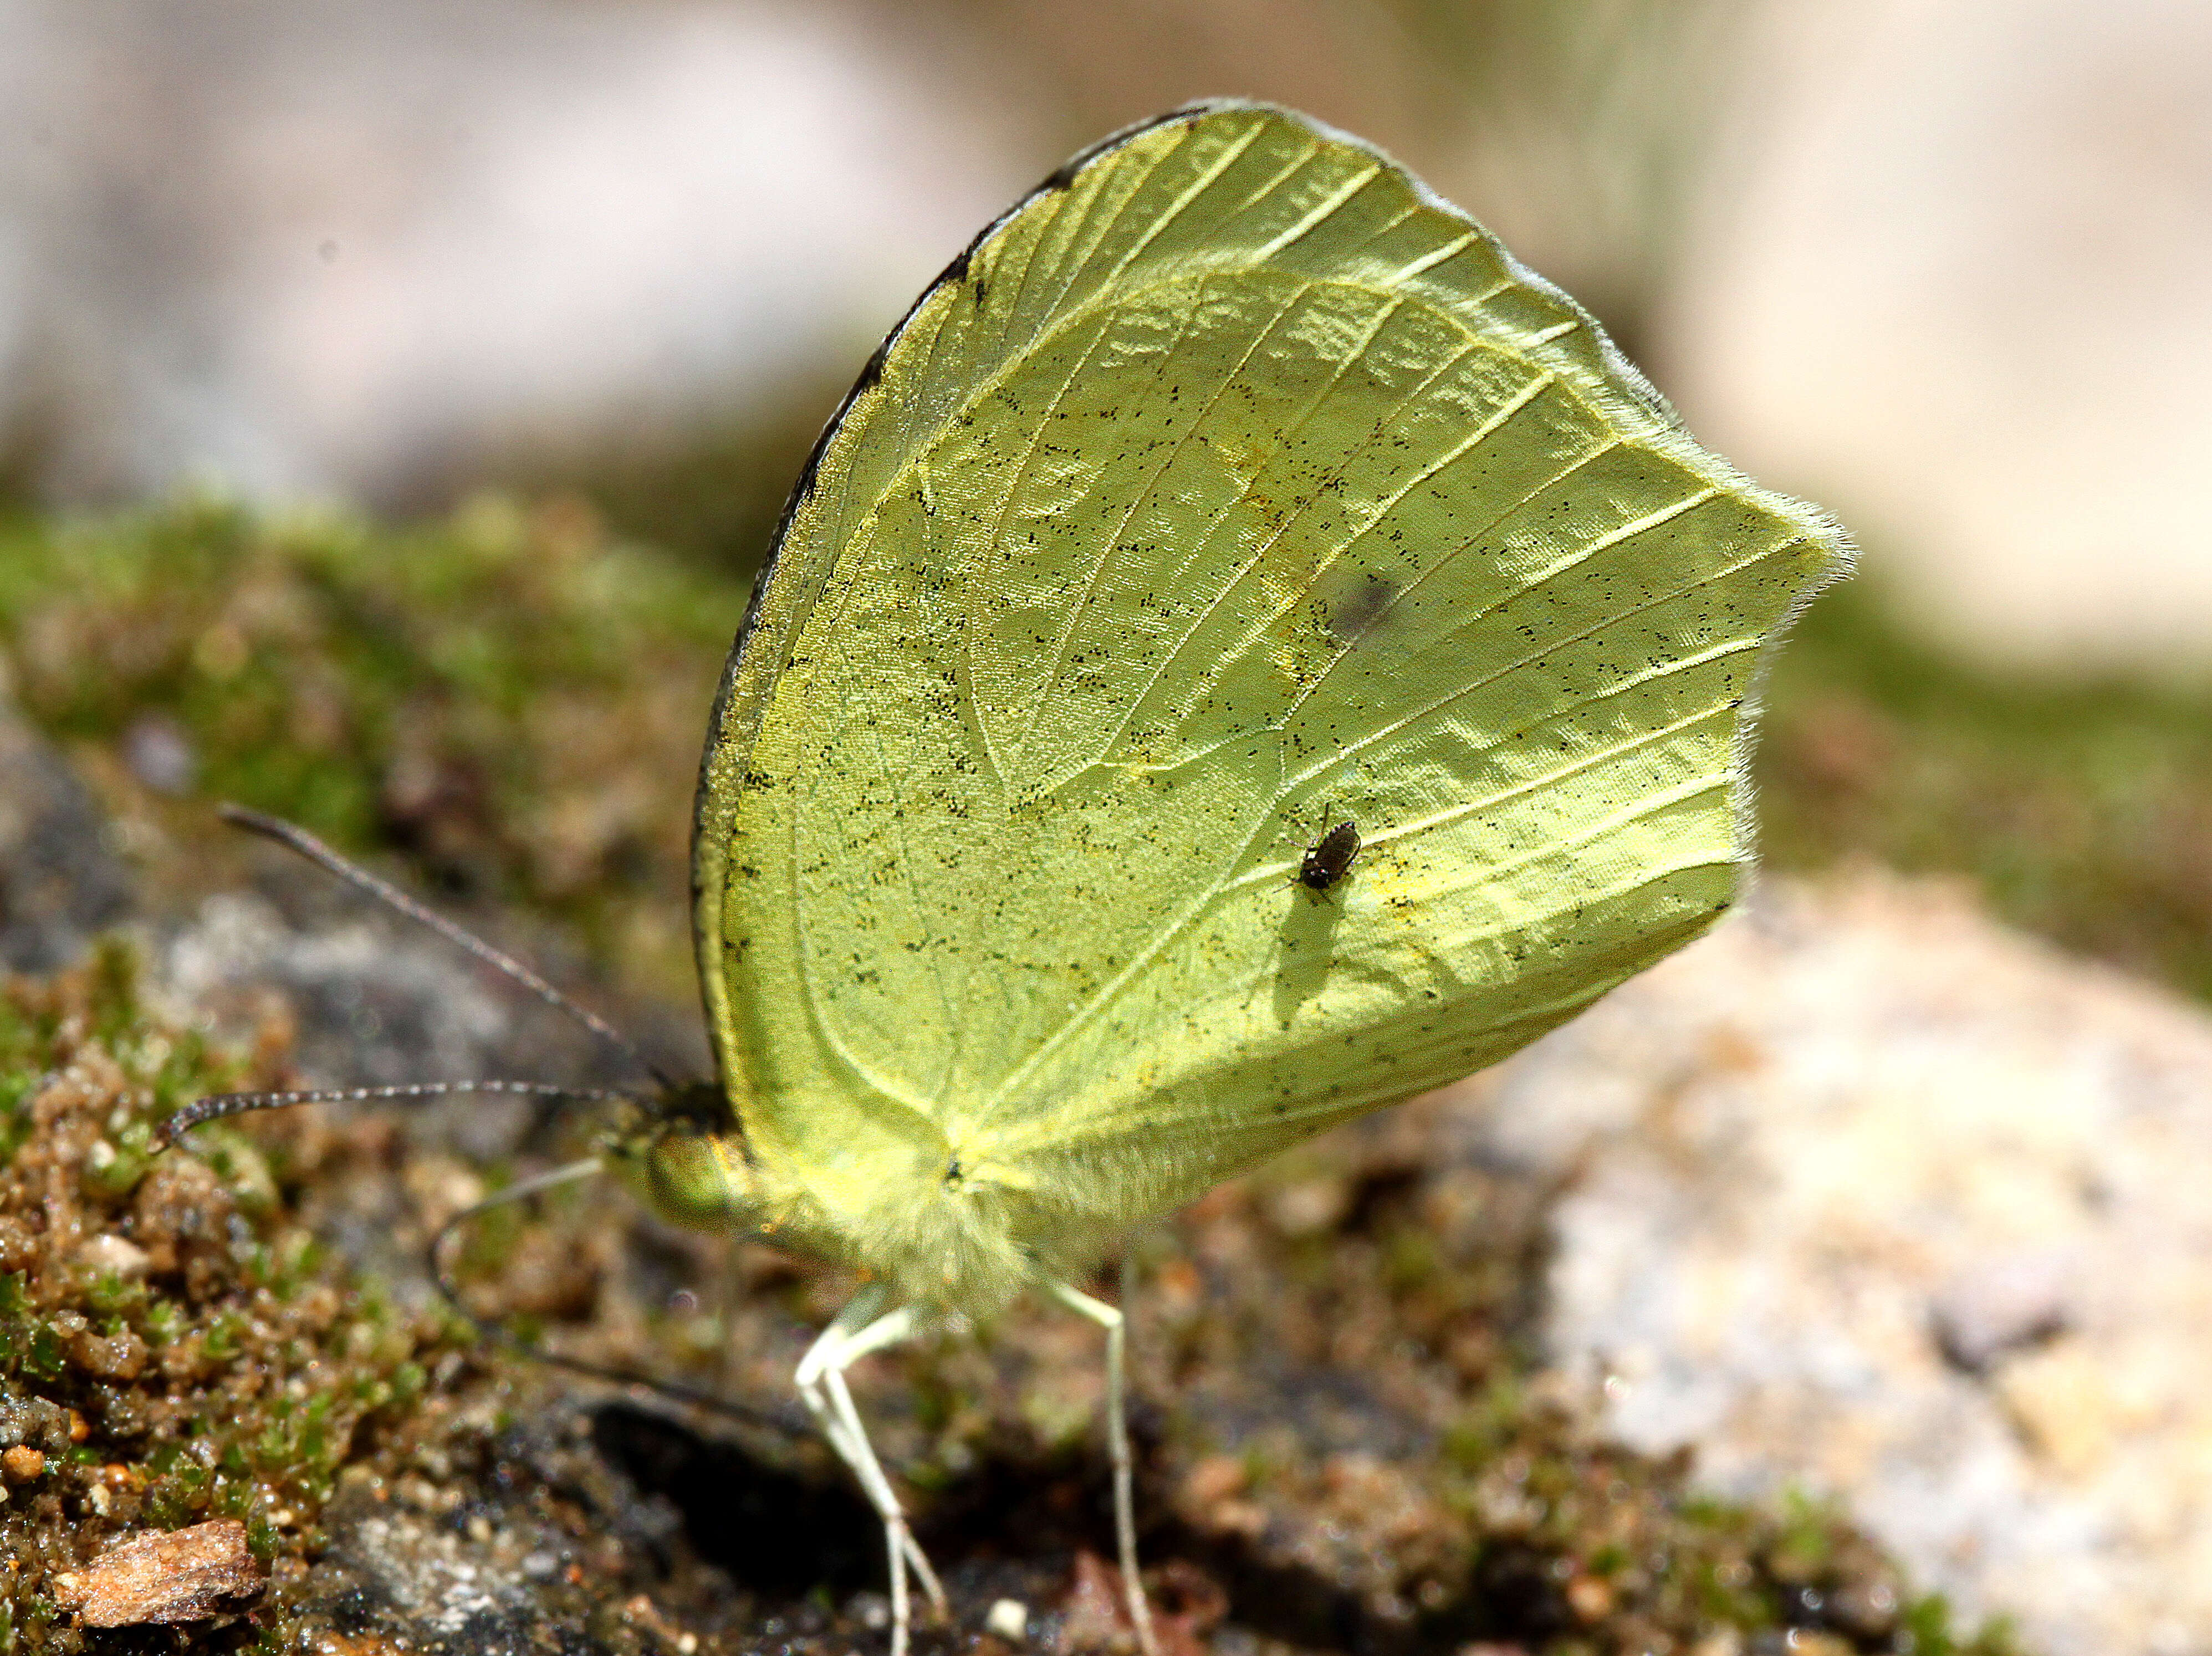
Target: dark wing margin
x,y
1054,182
1059,179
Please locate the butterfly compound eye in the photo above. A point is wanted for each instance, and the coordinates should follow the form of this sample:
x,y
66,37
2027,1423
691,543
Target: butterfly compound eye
x,y
695,1180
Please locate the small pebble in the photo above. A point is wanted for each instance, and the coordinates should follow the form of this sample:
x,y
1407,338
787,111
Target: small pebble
x,y
2000,1307
1009,1619
17,1249
106,1252
1590,1598
158,752
110,1356
179,1576
21,1464
1215,1478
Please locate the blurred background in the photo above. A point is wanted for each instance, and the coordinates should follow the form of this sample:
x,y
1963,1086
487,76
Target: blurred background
x,y
1943,265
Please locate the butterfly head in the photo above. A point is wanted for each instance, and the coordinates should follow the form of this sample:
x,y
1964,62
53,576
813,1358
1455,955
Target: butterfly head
x,y
685,1157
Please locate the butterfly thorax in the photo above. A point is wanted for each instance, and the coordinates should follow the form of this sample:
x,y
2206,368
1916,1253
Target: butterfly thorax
x,y
943,1228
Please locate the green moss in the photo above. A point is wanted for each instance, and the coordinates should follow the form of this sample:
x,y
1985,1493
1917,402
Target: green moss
x,y
232,1373
507,696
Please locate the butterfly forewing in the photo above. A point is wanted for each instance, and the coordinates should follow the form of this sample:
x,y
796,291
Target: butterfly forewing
x,y
1231,476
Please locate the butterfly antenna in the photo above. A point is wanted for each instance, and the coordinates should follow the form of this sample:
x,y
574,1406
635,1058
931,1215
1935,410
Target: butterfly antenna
x,y
297,839
216,1105
495,1332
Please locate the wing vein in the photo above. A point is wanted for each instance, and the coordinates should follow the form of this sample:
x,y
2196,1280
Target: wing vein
x,y
1120,211
1175,209
1435,257
1198,542
1580,556
1648,675
1320,214
1077,609
1174,925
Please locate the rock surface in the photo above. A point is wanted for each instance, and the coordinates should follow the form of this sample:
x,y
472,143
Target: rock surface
x,y
1867,1196
363,999
60,880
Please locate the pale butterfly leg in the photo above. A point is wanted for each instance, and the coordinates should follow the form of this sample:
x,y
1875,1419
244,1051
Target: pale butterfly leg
x,y
821,1382
856,1435
810,1388
1117,1441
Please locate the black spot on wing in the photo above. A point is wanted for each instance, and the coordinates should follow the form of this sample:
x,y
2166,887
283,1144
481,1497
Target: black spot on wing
x,y
1353,613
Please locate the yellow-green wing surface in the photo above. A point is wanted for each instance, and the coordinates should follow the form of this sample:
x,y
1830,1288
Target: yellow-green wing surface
x,y
1230,487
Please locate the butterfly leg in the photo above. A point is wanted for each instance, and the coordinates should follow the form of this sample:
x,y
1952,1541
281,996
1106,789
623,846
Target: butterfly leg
x,y
1117,1441
885,1330
858,1330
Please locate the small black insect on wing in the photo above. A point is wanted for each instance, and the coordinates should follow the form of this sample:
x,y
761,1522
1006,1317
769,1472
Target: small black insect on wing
x,y
1330,858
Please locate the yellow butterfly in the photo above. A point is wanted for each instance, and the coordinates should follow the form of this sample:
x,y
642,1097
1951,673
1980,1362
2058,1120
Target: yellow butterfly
x,y
1228,482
